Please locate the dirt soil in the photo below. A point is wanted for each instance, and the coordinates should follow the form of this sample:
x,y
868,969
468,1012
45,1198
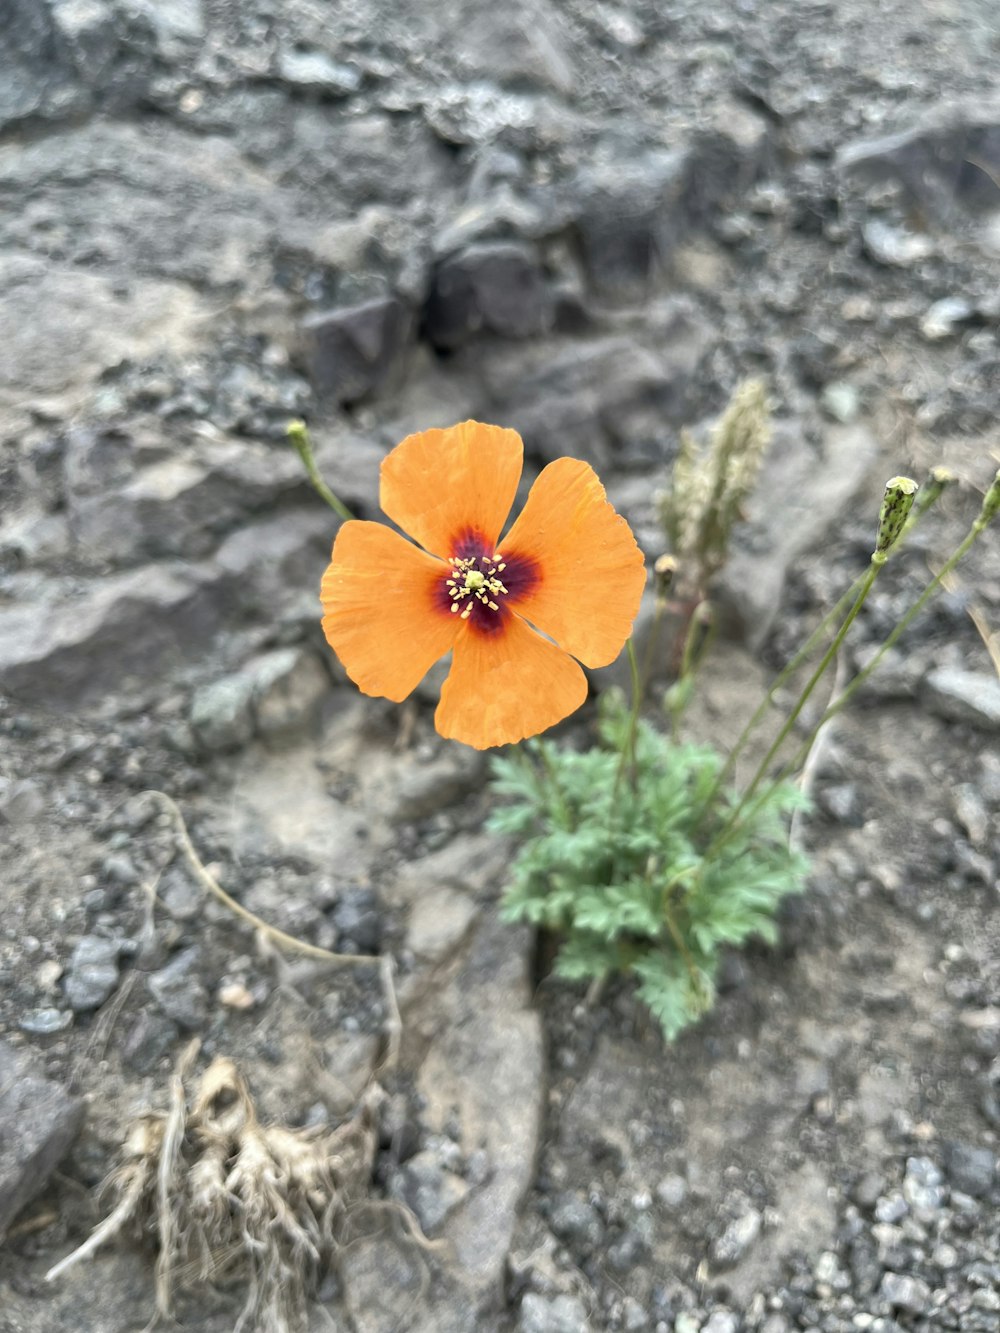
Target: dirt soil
x,y
589,221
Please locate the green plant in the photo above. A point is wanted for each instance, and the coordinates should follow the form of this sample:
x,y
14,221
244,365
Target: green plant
x,y
623,877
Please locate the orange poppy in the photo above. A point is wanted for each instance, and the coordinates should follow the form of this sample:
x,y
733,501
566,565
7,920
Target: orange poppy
x,y
564,583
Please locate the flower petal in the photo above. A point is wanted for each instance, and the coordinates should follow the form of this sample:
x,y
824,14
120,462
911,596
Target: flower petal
x,y
590,572
382,619
507,685
442,485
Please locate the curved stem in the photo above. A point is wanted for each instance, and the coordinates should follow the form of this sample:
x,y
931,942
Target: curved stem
x,y
832,709
877,562
298,434
825,661
789,669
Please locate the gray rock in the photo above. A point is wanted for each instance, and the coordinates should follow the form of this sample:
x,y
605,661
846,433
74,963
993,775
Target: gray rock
x,y
904,1292
180,505
427,788
317,71
222,713
483,1074
182,898
896,247
88,31
143,624
289,688
672,1191
429,1189
356,918
63,327
92,973
816,487
630,215
148,1041
355,350
43,1022
634,1317
632,210
964,696
38,1122
179,991
439,921
891,1208
840,801
628,1251
495,288
523,43
867,1190
552,1314
739,1235
604,400
841,402
266,566
944,316
35,73
119,868
971,1169
971,812
21,800
721,1321
930,160
923,1185
275,695
574,1219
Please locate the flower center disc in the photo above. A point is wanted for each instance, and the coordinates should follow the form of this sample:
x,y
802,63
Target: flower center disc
x,y
475,577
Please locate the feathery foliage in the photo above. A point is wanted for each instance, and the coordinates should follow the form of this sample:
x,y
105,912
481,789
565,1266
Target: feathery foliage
x,y
623,868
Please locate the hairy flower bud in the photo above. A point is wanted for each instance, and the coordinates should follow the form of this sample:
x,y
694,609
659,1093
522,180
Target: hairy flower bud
x,y
896,505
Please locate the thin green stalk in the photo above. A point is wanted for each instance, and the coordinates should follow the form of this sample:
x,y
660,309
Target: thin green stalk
x,y
734,816
654,633
825,660
298,434
804,653
628,748
940,479
848,693
897,503
627,755
556,791
990,508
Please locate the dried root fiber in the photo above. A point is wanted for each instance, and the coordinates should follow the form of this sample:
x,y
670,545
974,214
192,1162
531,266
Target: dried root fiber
x,y
227,1199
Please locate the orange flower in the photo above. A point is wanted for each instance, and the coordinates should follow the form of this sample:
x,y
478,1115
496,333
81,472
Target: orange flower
x,y
569,570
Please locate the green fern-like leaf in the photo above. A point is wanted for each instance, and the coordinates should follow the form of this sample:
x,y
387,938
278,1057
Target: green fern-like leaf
x,y
604,864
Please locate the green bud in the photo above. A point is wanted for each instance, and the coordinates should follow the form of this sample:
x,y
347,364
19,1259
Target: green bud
x,y
991,504
298,434
663,573
896,505
937,483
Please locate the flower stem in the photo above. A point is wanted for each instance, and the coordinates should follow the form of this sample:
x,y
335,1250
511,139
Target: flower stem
x,y
877,561
298,434
990,508
792,666
933,587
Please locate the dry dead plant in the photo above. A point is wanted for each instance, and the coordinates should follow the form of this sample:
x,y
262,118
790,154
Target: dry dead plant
x,y
228,1199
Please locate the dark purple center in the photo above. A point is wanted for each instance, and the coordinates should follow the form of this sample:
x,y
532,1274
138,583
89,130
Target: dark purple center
x,y
481,585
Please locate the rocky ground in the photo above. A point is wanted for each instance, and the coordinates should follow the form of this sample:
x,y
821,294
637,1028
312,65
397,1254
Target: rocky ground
x,y
587,220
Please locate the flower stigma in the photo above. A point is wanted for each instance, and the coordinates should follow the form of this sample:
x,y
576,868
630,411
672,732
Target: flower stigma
x,y
475,577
